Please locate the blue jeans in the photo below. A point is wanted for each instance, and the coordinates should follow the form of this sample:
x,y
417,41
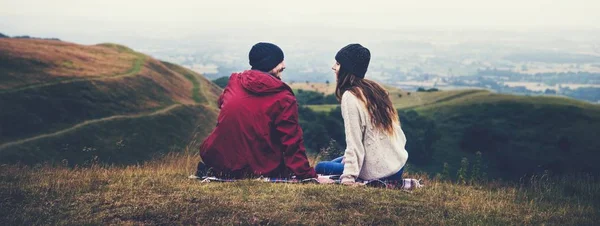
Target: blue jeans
x,y
336,167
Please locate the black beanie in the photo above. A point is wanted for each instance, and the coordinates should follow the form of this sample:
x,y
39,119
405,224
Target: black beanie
x,y
265,56
354,58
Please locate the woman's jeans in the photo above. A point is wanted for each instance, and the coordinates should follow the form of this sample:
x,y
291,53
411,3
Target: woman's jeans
x,y
336,167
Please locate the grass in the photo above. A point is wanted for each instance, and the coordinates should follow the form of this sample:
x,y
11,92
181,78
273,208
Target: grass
x,y
124,140
522,134
481,97
402,100
197,93
27,63
196,90
61,106
159,193
134,70
120,48
322,107
68,64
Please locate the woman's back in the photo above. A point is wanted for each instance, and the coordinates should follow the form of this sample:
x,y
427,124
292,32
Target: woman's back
x,y
371,152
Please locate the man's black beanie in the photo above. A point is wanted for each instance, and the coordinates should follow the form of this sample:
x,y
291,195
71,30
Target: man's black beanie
x,y
265,56
355,59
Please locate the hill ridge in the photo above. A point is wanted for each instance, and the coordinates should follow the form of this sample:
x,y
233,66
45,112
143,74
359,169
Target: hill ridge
x,y
136,68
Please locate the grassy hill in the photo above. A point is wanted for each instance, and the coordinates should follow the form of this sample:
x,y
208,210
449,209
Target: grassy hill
x,y
159,193
517,135
74,103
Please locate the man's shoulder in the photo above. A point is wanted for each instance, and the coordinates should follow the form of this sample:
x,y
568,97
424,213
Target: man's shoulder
x,y
288,94
285,95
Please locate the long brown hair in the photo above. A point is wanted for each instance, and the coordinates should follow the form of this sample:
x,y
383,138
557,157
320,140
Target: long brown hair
x,y
374,96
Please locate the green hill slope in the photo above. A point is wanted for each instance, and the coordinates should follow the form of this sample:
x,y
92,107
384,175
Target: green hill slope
x,y
63,101
517,135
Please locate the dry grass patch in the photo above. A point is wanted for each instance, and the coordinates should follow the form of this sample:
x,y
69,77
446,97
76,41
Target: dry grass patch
x,y
159,193
58,60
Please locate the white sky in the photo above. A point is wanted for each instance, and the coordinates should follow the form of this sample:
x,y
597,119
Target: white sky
x,y
48,17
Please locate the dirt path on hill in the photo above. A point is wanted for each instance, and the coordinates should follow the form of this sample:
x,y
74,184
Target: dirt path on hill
x,y
88,122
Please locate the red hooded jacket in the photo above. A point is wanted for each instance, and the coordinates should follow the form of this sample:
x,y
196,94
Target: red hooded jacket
x,y
257,132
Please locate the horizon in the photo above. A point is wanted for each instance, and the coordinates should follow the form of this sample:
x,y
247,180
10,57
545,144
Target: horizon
x,y
433,42
112,20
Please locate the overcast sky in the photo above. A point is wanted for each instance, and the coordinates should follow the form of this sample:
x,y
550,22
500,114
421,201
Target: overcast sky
x,y
77,17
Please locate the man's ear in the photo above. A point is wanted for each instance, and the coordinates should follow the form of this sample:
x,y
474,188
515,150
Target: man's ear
x,y
274,73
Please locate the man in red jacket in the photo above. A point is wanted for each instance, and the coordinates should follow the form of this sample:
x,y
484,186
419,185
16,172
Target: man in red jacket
x,y
257,132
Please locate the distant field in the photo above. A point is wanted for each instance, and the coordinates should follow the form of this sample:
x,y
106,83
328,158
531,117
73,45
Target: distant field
x,y
403,99
400,98
322,107
313,86
470,97
425,100
536,86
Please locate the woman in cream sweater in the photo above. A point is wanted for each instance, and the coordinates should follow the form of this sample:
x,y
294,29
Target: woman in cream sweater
x,y
375,141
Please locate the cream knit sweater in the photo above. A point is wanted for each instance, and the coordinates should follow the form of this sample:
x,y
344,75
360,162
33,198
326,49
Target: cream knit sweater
x,y
370,153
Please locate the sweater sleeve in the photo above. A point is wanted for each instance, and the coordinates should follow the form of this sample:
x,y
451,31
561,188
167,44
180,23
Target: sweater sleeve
x,y
294,152
354,129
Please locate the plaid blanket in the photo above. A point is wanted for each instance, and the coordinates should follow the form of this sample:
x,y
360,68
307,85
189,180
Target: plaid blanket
x,y
406,184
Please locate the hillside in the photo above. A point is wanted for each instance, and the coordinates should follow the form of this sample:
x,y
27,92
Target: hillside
x,y
159,193
517,135
74,103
